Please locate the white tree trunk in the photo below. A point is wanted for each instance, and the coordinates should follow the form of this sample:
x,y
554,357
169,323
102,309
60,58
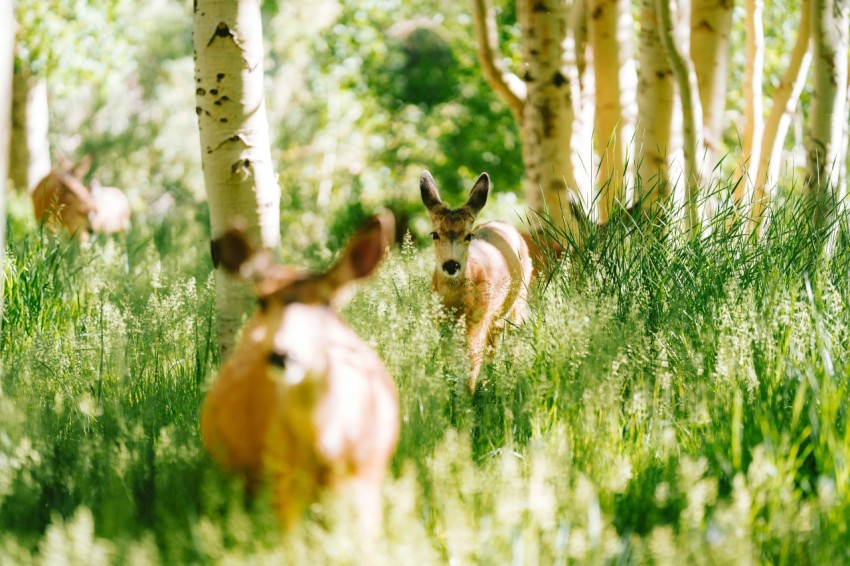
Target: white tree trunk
x,y
683,72
610,30
827,114
656,95
785,99
753,105
236,156
7,40
711,22
549,120
29,154
546,98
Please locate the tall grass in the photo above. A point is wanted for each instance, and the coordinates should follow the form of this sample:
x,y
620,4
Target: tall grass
x,y
667,401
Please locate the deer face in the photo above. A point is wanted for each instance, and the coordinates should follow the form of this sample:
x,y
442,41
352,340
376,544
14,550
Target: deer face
x,y
293,331
453,228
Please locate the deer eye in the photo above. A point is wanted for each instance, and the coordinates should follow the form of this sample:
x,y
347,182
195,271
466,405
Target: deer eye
x,y
469,237
277,360
435,235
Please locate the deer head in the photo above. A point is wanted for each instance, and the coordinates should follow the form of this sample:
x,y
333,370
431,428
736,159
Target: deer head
x,y
453,228
303,400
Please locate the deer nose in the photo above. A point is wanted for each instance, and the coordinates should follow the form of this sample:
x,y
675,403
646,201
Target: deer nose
x,y
451,267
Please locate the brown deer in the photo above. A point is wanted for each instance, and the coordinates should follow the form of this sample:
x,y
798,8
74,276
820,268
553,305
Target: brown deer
x,y
303,401
61,198
483,272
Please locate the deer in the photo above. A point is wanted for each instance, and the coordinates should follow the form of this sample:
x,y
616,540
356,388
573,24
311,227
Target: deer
x,y
61,198
303,402
483,272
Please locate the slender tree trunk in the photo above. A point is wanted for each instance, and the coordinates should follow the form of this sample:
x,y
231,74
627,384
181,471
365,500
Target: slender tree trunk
x,y
240,180
785,99
610,34
711,22
545,97
827,113
506,84
7,40
753,104
29,154
585,159
683,72
656,95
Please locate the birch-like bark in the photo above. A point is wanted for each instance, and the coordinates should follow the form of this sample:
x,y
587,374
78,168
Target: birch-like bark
x,y
711,23
7,40
683,72
655,106
240,181
29,154
546,97
827,113
753,104
549,118
785,100
506,84
610,29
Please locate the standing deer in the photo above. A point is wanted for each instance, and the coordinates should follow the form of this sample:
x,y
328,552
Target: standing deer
x,y
482,272
303,401
62,198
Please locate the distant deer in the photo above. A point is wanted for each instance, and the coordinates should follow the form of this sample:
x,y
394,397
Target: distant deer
x,y
62,198
482,272
303,401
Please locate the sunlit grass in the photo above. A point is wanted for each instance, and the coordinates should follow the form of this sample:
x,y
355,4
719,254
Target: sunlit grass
x,y
668,401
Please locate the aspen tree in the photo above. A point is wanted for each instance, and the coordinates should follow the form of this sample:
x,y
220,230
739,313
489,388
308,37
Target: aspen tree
x,y
785,100
544,100
827,112
240,181
692,125
656,95
29,156
7,40
753,104
610,28
711,23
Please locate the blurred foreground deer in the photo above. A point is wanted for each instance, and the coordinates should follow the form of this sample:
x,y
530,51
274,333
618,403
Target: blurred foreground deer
x,y
303,401
483,272
62,198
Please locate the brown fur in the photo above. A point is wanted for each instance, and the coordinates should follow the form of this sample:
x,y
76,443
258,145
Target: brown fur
x,y
61,199
303,401
493,273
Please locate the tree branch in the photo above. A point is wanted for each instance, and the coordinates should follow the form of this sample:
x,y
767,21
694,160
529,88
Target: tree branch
x,y
507,84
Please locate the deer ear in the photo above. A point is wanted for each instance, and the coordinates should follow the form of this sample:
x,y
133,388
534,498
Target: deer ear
x,y
365,250
236,254
478,194
80,169
429,191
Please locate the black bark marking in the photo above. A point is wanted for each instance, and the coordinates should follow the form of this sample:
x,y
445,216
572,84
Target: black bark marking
x,y
597,12
219,76
540,7
222,100
527,77
214,91
198,110
223,120
221,30
241,164
704,25
558,79
548,119
200,91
